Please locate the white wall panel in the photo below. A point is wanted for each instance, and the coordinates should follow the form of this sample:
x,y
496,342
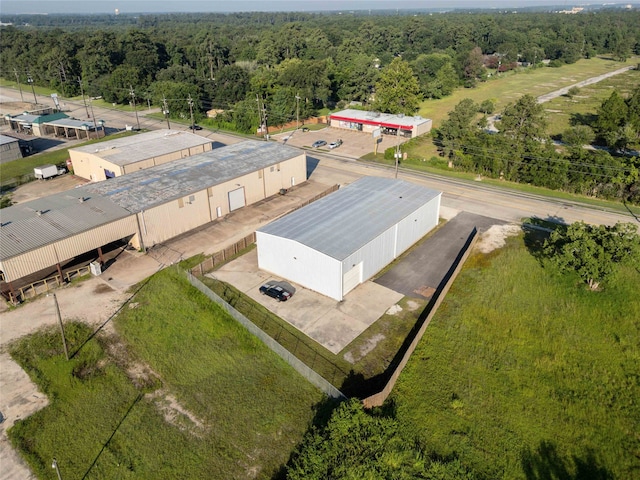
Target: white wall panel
x,y
300,264
415,226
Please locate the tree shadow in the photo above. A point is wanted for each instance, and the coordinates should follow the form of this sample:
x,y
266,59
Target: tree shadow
x,y
545,463
537,230
588,119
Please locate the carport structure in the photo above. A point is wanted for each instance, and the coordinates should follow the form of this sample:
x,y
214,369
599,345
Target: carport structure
x,y
336,243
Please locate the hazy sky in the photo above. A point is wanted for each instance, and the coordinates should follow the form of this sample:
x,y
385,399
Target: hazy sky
x,y
141,6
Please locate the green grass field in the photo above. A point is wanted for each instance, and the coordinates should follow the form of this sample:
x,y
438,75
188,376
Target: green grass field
x,y
24,166
243,410
525,374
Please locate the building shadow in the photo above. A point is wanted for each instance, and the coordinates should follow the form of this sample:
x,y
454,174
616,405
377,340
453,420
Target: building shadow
x,y
312,164
355,385
545,463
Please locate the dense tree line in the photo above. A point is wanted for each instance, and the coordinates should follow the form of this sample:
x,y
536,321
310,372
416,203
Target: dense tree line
x,y
521,151
239,62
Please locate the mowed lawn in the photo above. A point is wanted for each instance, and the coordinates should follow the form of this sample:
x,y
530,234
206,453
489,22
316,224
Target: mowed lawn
x,y
510,86
525,374
180,391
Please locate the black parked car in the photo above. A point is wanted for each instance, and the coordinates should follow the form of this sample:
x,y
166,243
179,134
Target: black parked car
x,y
281,291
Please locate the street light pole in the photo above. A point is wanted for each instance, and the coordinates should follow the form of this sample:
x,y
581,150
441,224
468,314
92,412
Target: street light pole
x,y
54,465
397,154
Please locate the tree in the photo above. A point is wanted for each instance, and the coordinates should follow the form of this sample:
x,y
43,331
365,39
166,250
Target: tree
x,y
612,115
397,90
452,132
594,252
578,136
473,67
357,444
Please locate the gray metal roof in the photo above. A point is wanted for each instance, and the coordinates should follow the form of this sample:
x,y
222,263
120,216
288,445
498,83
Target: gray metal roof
x,y
5,140
156,185
341,223
72,123
25,118
61,215
134,148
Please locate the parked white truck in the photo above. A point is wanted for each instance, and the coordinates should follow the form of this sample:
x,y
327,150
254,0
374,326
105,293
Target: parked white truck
x,y
48,171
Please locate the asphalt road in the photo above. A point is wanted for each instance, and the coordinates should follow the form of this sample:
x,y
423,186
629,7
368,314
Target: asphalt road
x,y
424,268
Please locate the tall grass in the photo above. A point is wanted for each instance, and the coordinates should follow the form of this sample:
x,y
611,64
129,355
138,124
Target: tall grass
x,y
248,408
523,370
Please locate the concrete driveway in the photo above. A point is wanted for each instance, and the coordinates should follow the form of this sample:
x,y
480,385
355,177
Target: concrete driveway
x,y
330,323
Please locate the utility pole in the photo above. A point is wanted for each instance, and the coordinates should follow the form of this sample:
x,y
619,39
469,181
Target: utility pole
x,y
297,111
84,100
63,78
64,340
193,125
133,99
30,82
95,127
397,154
165,110
19,86
260,113
266,124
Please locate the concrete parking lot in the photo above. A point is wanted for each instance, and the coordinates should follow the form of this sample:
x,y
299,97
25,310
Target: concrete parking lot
x,y
331,323
355,144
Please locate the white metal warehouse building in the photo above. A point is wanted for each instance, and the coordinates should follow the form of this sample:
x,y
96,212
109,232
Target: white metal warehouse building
x,y
121,156
146,207
342,240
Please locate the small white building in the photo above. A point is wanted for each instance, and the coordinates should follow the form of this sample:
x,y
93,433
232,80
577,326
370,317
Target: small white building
x,y
344,239
367,122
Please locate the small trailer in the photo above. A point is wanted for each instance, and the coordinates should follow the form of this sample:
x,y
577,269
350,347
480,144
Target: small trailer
x,y
45,172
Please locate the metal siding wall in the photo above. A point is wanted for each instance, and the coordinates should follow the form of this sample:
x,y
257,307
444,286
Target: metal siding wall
x,y
68,248
309,268
82,163
295,167
375,255
168,220
30,262
417,225
92,239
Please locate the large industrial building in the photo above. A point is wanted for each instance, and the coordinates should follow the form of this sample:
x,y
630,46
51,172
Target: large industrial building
x,y
342,240
145,207
368,122
121,156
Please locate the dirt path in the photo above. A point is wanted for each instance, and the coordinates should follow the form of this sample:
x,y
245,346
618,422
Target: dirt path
x,y
584,83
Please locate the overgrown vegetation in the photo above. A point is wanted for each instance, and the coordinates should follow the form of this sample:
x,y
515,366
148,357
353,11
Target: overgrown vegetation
x,y
524,371
227,62
181,391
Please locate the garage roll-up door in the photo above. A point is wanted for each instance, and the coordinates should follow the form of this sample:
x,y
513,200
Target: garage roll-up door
x,y
236,199
352,279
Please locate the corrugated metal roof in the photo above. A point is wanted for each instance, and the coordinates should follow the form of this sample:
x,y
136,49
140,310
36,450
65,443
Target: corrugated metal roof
x,y
134,148
52,117
156,185
5,140
341,223
61,215
379,118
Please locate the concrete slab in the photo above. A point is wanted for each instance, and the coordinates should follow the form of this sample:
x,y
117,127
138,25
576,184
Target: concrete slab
x,y
332,324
